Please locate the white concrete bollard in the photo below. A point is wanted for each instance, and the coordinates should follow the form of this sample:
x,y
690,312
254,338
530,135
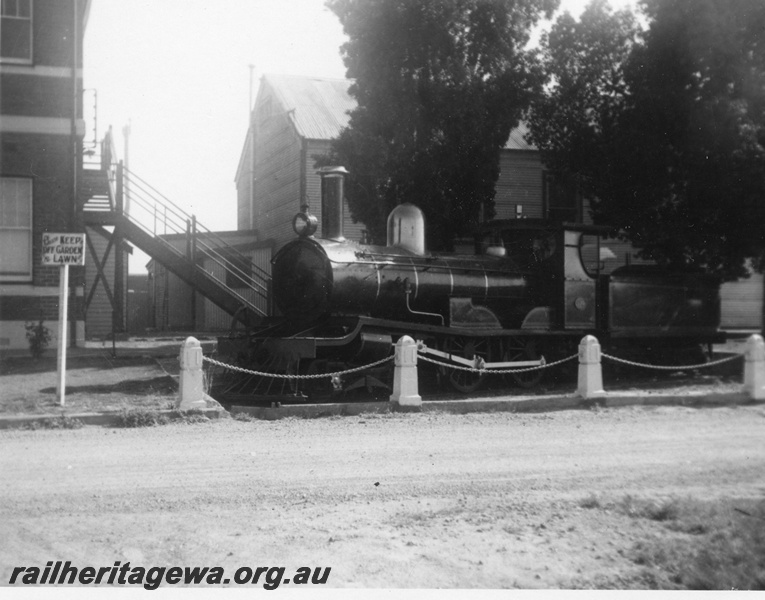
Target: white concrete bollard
x,y
754,367
191,392
405,392
590,383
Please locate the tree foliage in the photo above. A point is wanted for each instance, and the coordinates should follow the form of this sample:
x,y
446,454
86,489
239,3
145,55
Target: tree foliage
x,y
439,86
664,129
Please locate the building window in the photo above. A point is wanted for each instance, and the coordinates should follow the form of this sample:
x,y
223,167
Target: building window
x,y
15,229
16,31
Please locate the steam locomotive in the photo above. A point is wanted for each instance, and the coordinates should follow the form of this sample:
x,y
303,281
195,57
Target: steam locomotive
x,y
531,288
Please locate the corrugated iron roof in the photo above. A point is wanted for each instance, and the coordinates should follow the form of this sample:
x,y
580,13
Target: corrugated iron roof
x,y
320,105
517,139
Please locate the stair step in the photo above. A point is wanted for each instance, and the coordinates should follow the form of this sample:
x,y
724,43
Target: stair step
x,y
98,208
94,183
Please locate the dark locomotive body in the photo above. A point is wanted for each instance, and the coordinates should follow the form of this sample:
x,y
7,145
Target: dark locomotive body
x,y
313,278
531,288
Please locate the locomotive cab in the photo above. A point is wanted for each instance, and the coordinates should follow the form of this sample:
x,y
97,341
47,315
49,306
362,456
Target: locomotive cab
x,y
573,293
566,282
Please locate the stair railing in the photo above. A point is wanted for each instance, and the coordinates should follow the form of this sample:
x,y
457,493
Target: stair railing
x,y
150,202
104,161
159,216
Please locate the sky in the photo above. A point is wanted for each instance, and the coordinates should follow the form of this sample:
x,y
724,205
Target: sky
x,y
178,72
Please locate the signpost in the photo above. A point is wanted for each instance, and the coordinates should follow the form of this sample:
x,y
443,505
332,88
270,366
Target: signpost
x,y
62,250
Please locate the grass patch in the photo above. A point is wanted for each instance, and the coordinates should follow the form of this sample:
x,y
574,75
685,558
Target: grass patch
x,y
243,416
591,501
62,422
653,510
708,546
137,417
189,417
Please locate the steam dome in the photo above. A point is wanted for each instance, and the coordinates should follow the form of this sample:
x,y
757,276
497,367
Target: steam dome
x,y
406,228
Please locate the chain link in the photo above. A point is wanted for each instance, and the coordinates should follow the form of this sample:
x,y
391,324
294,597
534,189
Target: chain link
x,y
288,376
497,371
669,367
553,364
470,369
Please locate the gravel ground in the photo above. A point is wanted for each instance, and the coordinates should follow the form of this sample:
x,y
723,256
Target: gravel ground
x,y
391,501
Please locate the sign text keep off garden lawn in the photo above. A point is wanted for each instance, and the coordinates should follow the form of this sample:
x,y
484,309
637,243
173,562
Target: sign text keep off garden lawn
x,y
63,249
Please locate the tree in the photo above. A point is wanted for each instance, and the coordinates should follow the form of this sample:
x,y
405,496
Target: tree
x,y
586,90
439,86
664,130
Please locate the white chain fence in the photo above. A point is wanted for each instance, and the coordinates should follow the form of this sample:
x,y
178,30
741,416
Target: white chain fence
x,y
442,364
713,363
218,363
572,357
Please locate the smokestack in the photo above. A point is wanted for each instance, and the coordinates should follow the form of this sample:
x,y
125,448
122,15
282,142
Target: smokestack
x,y
332,196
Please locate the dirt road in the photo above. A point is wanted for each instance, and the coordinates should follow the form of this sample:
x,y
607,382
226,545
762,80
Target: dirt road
x,y
415,500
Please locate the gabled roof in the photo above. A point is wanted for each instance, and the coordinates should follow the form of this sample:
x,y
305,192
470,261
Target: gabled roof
x,y
319,109
517,139
320,106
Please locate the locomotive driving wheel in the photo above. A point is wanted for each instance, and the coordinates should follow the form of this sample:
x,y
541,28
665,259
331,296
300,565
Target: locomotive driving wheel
x,y
517,349
318,387
461,380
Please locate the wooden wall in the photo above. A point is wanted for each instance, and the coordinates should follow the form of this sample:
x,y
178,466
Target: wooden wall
x,y
98,317
519,184
314,148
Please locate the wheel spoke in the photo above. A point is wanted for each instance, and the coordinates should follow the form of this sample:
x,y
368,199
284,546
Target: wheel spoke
x,y
463,381
517,349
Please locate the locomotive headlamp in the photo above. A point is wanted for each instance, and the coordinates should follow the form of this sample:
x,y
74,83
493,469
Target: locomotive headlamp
x,y
305,224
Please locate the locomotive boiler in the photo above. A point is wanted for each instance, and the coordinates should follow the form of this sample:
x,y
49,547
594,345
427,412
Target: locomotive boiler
x,y
316,277
529,288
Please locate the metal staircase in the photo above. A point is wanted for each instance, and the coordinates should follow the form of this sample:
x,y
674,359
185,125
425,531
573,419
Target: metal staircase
x,y
150,216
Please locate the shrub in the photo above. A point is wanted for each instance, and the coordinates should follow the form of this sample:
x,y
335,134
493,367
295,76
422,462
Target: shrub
x,y
38,336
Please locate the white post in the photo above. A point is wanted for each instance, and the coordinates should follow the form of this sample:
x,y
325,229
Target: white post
x,y
405,391
191,393
63,315
590,384
754,367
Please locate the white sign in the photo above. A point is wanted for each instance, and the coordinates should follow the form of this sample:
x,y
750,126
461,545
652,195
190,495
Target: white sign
x,y
59,249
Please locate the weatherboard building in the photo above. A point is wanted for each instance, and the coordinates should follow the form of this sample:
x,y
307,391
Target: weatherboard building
x,y
294,120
